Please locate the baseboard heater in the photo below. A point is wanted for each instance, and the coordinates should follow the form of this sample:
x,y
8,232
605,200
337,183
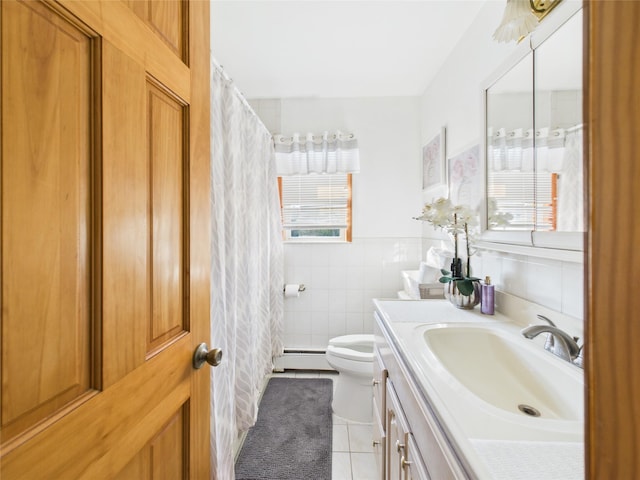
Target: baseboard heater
x,y
301,359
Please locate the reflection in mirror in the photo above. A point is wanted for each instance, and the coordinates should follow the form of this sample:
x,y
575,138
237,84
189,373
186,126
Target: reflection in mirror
x,y
510,181
534,164
558,122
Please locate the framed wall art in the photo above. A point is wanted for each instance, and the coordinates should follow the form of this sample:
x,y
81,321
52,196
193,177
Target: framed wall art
x,y
464,172
434,162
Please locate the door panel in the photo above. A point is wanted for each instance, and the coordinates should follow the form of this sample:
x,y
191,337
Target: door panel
x,y
164,457
46,322
105,294
168,449
139,467
167,155
115,21
101,436
167,18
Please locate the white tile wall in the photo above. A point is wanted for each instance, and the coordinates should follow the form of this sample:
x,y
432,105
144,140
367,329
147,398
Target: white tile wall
x,y
554,284
341,280
573,289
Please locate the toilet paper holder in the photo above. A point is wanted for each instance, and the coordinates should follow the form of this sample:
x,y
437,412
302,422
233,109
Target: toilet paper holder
x,y
301,288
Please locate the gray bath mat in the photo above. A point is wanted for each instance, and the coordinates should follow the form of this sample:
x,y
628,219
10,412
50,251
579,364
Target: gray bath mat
x,y
292,438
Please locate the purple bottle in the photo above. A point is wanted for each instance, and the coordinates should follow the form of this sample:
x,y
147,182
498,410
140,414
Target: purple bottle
x,y
487,300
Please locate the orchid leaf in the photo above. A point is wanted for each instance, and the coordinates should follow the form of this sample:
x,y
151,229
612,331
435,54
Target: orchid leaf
x,y
465,286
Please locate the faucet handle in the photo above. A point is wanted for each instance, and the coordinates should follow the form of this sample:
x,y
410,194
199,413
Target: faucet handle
x,y
549,343
542,317
578,360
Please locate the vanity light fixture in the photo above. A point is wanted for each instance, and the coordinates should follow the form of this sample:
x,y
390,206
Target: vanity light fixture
x,y
541,8
521,17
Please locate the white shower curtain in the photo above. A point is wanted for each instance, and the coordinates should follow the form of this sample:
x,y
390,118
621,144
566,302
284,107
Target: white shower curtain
x,y
571,185
247,268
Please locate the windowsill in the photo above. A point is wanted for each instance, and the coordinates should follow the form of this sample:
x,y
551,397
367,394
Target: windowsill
x,y
324,242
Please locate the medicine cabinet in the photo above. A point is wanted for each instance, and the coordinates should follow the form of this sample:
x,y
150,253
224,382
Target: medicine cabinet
x,y
533,155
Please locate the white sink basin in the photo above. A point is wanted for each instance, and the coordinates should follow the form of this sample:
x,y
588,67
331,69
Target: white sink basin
x,y
489,381
503,371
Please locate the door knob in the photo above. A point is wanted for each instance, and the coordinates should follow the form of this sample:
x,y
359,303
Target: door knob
x,y
203,354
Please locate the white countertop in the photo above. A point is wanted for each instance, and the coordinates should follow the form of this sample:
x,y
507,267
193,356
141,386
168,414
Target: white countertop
x,y
495,444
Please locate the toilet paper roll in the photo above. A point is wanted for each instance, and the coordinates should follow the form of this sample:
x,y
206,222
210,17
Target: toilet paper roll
x,y
291,290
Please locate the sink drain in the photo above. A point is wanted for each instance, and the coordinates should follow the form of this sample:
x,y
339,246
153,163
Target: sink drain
x,y
529,410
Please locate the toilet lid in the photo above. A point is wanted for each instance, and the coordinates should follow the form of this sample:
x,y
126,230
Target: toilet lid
x,y
365,340
349,354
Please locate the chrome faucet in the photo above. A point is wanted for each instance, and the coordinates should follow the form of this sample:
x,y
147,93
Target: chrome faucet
x,y
558,341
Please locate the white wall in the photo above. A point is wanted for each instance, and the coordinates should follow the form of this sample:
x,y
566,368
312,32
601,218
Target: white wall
x,y
453,99
342,279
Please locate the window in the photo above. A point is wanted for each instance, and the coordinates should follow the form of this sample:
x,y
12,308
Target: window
x,y
316,207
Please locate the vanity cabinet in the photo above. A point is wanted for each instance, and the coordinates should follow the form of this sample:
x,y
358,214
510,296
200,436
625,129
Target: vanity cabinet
x,y
379,446
414,444
379,406
415,469
380,374
403,455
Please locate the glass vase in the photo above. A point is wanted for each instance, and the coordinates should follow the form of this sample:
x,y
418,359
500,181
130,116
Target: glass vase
x,y
459,300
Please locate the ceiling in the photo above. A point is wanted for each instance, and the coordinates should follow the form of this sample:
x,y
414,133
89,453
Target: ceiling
x,y
330,48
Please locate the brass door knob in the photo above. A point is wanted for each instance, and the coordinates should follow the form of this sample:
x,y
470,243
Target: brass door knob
x,y
202,354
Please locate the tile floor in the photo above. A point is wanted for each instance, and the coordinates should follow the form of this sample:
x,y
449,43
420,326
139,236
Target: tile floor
x,y
352,441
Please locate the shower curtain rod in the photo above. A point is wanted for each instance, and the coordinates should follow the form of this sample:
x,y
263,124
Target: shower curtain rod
x,y
220,69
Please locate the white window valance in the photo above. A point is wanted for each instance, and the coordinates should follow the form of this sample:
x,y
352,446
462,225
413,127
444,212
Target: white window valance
x,y
330,152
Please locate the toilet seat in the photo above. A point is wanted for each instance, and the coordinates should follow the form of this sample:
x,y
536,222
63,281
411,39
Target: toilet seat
x,y
365,340
356,348
350,354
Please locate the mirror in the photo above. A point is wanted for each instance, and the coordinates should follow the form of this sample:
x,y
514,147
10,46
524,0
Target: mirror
x,y
533,147
558,126
509,150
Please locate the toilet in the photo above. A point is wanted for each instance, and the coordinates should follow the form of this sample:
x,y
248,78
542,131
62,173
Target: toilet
x,y
352,357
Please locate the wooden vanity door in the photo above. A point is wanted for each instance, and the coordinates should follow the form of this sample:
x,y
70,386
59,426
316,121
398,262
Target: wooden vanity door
x,y
105,239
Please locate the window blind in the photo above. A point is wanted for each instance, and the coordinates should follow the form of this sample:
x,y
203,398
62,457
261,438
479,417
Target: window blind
x,y
528,197
315,201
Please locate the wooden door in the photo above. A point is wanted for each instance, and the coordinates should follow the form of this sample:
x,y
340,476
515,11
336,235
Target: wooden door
x,y
612,116
105,239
